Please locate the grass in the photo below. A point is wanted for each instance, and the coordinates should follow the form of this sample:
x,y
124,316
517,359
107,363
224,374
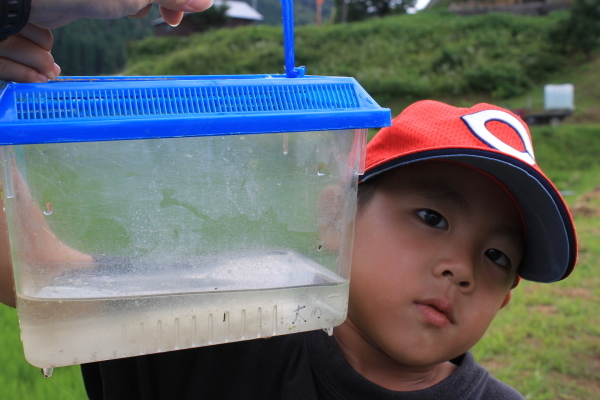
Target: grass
x,y
545,343
21,381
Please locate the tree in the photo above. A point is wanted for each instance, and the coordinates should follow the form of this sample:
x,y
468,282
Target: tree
x,y
214,17
580,31
92,47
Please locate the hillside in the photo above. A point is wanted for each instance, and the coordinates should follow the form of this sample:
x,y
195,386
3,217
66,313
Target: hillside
x,y
398,59
304,11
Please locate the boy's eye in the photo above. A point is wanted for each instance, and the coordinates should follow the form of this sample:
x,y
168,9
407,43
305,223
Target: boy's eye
x,y
433,218
498,257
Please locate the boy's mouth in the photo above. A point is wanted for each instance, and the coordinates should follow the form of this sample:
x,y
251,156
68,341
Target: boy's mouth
x,y
436,311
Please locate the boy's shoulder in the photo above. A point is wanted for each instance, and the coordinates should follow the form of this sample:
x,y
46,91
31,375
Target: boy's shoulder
x,y
472,381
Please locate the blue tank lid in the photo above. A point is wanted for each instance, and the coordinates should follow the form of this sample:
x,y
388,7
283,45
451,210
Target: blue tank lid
x,y
84,109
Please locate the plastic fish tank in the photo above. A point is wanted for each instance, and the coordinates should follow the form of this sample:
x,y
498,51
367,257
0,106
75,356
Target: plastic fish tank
x,y
150,214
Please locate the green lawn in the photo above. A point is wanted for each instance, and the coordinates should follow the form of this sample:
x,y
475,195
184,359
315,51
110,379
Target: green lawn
x,y
21,381
545,343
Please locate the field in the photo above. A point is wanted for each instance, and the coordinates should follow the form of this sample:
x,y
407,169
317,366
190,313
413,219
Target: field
x,y
19,380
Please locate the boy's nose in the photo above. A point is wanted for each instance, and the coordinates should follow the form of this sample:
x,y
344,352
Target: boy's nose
x,y
464,282
459,270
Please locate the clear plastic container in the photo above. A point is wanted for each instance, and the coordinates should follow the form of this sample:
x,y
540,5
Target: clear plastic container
x,y
190,241
149,214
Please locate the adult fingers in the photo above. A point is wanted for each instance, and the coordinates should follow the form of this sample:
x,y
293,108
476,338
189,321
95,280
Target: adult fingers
x,y
53,14
184,5
171,17
24,61
13,71
142,13
40,36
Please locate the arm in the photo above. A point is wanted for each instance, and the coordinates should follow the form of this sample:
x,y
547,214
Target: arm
x,y
7,287
43,248
54,13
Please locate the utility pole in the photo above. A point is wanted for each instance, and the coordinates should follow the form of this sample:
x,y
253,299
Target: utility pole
x,y
344,17
319,11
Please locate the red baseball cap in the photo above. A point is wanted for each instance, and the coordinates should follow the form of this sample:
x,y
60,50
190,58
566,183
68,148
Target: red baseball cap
x,y
495,141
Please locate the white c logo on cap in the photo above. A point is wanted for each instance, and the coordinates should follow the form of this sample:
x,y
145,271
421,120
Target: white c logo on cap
x,y
476,123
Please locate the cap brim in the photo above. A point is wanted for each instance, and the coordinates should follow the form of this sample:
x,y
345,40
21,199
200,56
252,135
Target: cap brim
x,y
548,222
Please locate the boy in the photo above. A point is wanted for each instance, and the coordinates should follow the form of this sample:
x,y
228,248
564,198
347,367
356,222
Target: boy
x,y
453,211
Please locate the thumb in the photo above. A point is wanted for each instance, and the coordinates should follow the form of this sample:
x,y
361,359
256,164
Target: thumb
x,y
171,17
184,5
172,11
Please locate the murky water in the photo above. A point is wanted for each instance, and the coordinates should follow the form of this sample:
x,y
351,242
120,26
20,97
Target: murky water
x,y
75,320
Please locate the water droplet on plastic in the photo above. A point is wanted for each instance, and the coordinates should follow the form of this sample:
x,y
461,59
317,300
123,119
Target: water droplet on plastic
x,y
321,169
47,372
49,209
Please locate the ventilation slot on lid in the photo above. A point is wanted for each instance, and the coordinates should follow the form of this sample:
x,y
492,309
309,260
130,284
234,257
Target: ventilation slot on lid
x,y
41,105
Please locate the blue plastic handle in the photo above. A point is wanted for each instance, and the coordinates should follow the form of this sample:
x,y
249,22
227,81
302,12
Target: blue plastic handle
x,y
291,71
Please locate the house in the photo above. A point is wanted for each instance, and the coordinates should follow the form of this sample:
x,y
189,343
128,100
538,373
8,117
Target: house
x,y
239,13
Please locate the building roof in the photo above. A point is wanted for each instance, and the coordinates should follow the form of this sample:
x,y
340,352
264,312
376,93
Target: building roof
x,y
236,9
239,9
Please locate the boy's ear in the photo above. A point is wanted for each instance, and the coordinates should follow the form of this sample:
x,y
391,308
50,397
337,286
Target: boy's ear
x,y
330,208
506,299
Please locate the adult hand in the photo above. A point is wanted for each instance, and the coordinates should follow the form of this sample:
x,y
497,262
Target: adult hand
x,y
7,283
43,247
25,57
54,13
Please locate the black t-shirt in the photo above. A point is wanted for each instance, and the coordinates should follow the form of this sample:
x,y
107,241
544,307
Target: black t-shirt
x,y
301,366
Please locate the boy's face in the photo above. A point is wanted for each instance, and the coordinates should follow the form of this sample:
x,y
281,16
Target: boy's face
x,y
436,251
